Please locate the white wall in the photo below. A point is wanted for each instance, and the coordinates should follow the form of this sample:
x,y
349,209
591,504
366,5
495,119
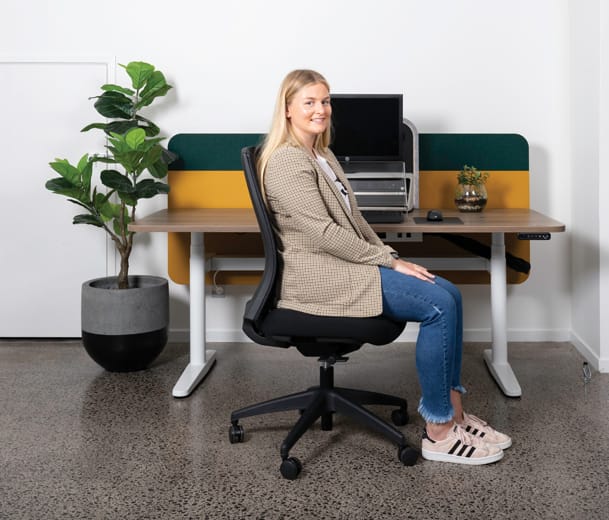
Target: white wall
x,y
603,187
590,137
463,66
43,257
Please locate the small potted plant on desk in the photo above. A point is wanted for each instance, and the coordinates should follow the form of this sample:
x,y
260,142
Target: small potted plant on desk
x,y
124,318
471,195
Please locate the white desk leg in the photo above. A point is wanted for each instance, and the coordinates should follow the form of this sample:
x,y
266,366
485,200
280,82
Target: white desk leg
x,y
496,358
200,360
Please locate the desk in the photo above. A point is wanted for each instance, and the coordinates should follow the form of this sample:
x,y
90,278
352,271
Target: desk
x,y
197,222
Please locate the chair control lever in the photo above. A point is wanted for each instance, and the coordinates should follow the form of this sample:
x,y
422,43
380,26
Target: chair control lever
x,y
331,360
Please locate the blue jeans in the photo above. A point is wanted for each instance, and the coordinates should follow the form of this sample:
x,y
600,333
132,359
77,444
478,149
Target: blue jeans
x,y
438,308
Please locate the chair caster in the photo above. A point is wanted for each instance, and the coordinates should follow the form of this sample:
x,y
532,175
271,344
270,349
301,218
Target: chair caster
x,y
407,455
236,433
400,417
290,468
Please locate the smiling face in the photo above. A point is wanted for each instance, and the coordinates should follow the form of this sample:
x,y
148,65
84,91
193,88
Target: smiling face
x,y
309,112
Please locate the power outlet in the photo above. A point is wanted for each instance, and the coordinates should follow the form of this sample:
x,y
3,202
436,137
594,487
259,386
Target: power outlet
x,y
217,291
402,237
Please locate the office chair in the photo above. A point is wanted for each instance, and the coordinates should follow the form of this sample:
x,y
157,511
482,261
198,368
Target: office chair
x,y
328,338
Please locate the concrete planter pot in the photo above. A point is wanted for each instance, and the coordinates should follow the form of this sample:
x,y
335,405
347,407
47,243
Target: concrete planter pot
x,y
125,330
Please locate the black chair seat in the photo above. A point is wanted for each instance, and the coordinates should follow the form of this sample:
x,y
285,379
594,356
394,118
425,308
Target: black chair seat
x,y
322,334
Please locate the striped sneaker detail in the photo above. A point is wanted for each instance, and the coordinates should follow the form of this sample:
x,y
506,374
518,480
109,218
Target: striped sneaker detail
x,y
474,431
482,430
460,447
463,449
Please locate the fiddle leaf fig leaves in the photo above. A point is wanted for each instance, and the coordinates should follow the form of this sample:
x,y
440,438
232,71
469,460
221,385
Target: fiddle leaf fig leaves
x,y
135,138
118,88
155,86
115,105
139,72
133,147
75,181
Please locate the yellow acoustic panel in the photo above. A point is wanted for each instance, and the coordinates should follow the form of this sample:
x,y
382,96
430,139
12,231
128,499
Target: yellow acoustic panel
x,y
506,189
208,189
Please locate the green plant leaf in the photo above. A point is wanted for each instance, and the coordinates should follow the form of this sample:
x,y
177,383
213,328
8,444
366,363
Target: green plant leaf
x,y
148,188
82,163
153,142
107,210
117,144
66,170
156,86
87,219
149,127
116,180
130,199
118,88
158,169
129,159
85,166
139,72
120,127
62,186
87,205
100,126
135,138
150,156
114,105
103,159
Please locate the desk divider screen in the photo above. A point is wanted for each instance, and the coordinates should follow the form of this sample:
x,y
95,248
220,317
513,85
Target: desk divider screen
x,y
208,173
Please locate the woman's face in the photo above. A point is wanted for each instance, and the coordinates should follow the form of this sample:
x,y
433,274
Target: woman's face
x,y
309,112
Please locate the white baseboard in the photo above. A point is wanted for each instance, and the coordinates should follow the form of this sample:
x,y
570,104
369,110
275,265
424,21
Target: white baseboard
x,y
211,335
409,335
598,363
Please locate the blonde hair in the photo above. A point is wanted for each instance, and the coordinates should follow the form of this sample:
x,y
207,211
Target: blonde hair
x,y
281,131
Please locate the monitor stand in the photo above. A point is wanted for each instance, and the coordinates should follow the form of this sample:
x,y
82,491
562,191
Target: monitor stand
x,y
372,166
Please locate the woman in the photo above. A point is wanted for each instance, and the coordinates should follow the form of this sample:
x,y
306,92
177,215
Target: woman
x,y
334,264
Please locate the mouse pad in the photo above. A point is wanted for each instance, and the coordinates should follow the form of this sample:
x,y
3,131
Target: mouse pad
x,y
447,220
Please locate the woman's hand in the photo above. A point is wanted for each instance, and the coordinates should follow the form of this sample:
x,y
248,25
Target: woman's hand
x,y
410,269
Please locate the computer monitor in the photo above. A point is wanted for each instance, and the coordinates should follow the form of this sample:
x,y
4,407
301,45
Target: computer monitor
x,y
367,127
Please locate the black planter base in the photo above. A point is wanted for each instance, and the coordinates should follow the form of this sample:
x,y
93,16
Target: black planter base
x,y
126,352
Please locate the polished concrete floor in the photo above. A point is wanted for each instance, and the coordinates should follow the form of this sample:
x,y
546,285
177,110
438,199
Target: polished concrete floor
x,y
79,442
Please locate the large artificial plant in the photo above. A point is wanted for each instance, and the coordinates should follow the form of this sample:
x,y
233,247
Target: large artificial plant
x,y
133,147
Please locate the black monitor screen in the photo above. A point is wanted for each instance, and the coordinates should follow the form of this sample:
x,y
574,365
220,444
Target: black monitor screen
x,y
367,127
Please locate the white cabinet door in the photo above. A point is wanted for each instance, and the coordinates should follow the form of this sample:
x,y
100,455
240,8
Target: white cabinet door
x,y
44,258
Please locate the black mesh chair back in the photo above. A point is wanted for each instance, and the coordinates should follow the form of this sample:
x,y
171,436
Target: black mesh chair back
x,y
267,325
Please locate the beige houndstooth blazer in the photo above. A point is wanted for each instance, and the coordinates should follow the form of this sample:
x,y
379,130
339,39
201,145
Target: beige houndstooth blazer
x,y
330,254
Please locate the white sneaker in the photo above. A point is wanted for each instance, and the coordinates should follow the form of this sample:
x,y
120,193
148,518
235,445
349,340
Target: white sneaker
x,y
478,428
461,448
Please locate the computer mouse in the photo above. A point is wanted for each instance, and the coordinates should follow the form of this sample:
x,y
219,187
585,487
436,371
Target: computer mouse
x,y
434,215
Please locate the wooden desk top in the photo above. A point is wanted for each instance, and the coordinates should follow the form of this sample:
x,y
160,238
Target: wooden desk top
x,y
199,220
511,220
243,220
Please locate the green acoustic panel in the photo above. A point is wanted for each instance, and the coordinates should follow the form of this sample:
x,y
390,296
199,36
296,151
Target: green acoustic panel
x,y
436,151
210,151
484,151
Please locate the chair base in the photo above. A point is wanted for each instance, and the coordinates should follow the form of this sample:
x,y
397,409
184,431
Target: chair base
x,y
322,402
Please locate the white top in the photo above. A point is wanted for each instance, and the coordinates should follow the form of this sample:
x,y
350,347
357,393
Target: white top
x,y
332,176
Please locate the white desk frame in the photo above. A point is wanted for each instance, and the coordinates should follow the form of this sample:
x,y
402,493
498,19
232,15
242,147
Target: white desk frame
x,y
197,222
201,359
